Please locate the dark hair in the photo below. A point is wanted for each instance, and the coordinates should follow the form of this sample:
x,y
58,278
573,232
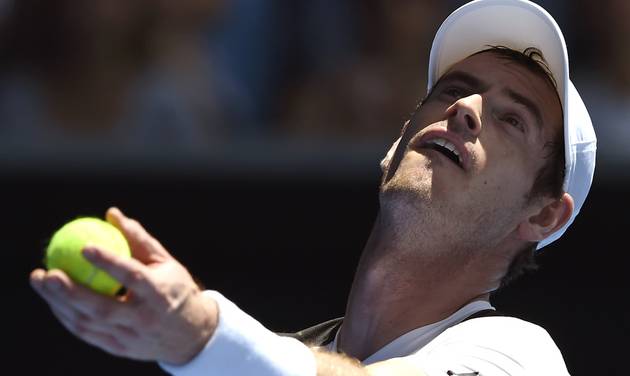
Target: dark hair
x,y
550,177
523,262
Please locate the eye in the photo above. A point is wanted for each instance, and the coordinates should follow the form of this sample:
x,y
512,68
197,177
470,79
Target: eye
x,y
453,92
514,121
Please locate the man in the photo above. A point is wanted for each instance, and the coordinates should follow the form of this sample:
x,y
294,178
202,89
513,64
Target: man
x,y
494,164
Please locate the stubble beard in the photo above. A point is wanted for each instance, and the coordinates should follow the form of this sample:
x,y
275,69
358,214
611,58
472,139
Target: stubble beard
x,y
429,228
436,229
419,224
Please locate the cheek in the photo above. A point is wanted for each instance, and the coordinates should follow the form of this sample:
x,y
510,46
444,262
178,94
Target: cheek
x,y
504,166
497,199
505,180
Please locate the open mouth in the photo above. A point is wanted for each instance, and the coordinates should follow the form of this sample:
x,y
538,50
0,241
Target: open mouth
x,y
447,149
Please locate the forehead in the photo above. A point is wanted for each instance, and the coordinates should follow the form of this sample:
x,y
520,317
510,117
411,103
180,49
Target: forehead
x,y
493,71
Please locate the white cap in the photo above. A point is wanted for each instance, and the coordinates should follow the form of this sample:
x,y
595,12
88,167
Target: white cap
x,y
520,24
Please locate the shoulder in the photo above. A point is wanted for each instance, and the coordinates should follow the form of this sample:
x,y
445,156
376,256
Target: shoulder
x,y
492,346
498,328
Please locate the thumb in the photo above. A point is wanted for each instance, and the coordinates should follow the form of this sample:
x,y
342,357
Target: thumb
x,y
144,247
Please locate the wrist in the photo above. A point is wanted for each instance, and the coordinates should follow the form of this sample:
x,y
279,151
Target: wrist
x,y
240,345
203,318
208,323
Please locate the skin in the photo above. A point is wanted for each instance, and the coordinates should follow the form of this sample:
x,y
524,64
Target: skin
x,y
418,250
445,235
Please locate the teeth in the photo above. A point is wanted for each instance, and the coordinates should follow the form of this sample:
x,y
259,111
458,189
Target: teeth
x,y
439,141
447,144
452,148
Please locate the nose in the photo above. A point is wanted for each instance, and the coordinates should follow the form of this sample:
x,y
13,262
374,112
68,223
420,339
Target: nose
x,y
465,114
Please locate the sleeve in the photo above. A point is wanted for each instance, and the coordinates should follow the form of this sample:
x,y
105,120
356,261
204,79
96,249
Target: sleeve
x,y
491,346
241,345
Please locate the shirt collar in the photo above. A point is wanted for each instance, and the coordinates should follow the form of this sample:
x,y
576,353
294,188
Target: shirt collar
x,y
416,339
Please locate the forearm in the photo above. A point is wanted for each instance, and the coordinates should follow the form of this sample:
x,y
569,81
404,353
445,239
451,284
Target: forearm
x,y
333,364
240,340
240,345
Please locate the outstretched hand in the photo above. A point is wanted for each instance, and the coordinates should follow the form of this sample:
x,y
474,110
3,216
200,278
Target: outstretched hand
x,y
162,317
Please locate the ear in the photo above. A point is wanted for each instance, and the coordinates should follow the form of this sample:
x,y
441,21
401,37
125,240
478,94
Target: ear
x,y
548,220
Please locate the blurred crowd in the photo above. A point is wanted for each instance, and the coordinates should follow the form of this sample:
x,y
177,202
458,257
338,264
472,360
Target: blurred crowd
x,y
189,74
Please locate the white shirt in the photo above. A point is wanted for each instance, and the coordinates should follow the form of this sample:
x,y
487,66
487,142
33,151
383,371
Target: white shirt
x,y
491,346
410,342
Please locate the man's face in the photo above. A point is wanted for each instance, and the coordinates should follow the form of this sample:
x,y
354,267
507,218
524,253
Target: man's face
x,y
468,158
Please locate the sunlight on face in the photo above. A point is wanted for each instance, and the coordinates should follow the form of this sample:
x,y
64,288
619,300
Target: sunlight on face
x,y
470,154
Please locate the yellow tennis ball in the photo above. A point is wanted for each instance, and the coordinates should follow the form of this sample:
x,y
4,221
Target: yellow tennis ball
x,y
64,252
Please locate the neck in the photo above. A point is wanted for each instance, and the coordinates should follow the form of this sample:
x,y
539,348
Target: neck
x,y
397,289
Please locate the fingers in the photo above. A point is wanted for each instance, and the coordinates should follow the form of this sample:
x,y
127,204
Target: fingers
x,y
133,274
84,313
104,341
144,247
46,288
100,339
78,303
79,325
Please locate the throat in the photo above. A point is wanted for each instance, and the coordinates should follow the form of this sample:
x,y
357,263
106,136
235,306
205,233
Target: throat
x,y
384,305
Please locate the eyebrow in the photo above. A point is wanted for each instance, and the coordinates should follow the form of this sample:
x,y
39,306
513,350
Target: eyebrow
x,y
480,86
527,103
470,80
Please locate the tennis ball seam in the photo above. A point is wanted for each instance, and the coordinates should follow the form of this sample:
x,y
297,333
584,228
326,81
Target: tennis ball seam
x,y
65,249
92,274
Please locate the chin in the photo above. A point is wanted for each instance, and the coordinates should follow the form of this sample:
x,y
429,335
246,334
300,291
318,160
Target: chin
x,y
404,203
408,190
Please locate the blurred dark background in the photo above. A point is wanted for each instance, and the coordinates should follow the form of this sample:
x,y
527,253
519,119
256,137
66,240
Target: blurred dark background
x,y
246,136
